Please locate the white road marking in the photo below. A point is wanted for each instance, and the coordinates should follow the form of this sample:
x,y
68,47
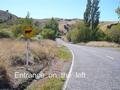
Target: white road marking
x,y
70,71
110,57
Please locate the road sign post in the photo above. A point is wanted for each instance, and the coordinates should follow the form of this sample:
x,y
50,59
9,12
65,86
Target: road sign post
x,y
27,52
28,33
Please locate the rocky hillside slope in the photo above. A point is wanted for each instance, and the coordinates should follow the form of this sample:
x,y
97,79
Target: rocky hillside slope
x,y
64,24
5,16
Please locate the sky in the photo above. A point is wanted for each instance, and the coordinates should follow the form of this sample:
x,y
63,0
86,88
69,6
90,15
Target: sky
x,y
66,9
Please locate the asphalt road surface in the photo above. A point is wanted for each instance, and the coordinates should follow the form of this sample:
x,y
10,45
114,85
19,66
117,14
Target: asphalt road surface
x,y
93,68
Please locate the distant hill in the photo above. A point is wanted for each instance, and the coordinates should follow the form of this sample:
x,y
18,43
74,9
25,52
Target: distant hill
x,y
104,25
64,24
5,16
9,18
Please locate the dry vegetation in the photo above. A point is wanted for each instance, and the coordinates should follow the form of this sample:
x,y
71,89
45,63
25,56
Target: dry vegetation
x,y
12,48
100,44
43,57
12,58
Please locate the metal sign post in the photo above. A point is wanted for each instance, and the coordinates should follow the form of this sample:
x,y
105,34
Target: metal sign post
x,y
27,52
28,33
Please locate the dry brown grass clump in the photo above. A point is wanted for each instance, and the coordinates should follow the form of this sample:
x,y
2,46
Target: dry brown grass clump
x,y
102,44
9,49
13,48
12,56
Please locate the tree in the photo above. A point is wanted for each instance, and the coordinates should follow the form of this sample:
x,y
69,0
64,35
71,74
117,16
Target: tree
x,y
95,14
78,33
48,34
52,24
91,16
27,21
18,30
118,12
87,14
113,34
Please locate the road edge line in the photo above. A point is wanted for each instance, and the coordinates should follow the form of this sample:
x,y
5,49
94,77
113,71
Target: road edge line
x,y
70,70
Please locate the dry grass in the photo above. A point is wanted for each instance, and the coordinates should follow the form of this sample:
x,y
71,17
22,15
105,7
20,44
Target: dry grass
x,y
47,84
8,49
42,51
11,50
102,44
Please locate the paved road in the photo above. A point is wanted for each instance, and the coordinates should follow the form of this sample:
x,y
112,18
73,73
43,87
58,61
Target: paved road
x,y
101,67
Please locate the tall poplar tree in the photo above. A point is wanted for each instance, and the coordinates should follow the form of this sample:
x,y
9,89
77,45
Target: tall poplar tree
x,y
87,13
91,16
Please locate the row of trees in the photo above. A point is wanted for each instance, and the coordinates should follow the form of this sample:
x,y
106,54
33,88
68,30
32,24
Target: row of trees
x,y
80,32
49,31
113,34
91,17
89,30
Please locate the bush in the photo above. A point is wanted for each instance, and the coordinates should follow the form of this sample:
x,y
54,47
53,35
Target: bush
x,y
52,24
100,35
53,84
75,36
113,34
68,36
4,34
48,34
17,31
79,33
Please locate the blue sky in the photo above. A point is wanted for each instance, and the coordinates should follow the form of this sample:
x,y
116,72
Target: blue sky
x,y
58,8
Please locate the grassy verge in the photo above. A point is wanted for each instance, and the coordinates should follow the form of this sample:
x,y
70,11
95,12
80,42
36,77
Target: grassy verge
x,y
118,49
64,53
48,84
53,84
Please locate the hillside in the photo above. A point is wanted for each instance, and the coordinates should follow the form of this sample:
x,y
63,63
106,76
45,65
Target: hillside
x,y
107,24
5,16
64,24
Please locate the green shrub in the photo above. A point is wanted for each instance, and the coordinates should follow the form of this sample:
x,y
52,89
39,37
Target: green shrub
x,y
48,34
100,35
75,35
4,34
53,84
78,33
113,34
68,36
64,53
53,24
85,34
17,31
81,33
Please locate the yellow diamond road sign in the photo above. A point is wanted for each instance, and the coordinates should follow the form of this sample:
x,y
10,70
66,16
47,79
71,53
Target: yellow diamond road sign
x,y
28,32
